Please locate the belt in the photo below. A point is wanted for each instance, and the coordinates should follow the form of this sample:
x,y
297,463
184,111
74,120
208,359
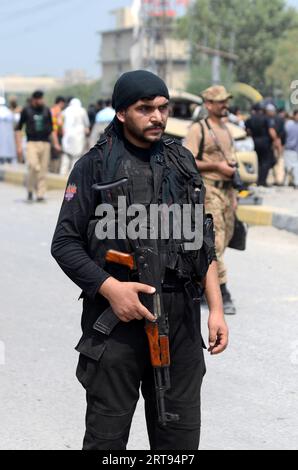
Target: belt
x,y
218,184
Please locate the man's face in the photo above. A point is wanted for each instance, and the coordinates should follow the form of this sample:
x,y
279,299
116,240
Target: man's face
x,y
37,102
146,120
218,109
271,114
61,105
296,117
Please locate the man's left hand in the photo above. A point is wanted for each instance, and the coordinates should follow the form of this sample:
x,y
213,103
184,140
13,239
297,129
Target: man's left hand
x,y
58,148
218,334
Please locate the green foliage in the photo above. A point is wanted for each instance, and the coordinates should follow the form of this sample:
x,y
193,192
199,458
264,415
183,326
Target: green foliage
x,y
249,28
201,77
87,93
284,70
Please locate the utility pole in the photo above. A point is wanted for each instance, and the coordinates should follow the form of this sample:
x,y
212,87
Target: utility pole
x,y
156,24
153,43
232,51
216,62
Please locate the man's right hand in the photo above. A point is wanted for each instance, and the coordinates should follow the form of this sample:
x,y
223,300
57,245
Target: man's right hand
x,y
225,169
124,299
58,148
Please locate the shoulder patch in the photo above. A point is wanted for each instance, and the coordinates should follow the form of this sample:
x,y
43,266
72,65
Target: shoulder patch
x,y
70,192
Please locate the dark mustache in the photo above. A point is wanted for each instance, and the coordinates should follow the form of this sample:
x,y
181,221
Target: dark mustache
x,y
157,126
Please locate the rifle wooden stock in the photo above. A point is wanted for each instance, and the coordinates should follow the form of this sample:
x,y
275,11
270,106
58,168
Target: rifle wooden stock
x,y
125,259
164,351
158,346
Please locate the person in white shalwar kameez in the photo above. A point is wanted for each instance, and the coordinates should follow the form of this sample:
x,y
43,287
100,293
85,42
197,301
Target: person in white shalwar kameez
x,y
75,131
8,152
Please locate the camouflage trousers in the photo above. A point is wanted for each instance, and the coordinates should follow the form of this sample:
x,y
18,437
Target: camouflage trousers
x,y
219,203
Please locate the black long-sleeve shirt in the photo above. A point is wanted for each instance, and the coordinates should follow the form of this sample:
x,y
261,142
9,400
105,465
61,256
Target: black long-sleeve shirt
x,y
38,121
69,245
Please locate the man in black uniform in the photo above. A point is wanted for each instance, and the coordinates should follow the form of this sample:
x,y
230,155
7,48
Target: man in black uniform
x,y
113,368
258,127
39,130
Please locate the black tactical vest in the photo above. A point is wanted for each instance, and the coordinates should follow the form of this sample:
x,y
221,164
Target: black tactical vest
x,y
170,178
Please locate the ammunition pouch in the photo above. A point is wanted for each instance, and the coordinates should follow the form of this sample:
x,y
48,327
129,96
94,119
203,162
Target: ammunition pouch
x,y
179,264
206,254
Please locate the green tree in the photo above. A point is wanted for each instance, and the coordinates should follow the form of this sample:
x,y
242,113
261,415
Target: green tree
x,y
249,28
87,93
284,70
200,77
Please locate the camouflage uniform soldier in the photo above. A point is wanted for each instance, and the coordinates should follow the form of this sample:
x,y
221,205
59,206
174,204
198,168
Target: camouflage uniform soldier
x,y
212,145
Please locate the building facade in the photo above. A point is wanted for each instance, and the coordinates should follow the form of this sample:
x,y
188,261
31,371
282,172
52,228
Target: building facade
x,y
124,49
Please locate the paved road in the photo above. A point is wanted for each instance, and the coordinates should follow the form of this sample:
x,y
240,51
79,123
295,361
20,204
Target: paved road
x,y
284,197
250,394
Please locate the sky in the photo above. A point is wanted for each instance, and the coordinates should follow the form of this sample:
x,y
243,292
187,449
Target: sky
x,y
47,37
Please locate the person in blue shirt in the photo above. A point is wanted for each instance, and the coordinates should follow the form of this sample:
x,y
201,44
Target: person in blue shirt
x,y
291,148
105,115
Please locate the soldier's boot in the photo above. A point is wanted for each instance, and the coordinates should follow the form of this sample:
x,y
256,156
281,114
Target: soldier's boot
x,y
229,307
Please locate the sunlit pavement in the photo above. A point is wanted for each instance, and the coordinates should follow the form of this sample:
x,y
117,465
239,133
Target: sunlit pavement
x,y
249,398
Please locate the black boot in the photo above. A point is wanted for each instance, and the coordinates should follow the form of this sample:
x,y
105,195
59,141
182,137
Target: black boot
x,y
229,307
30,197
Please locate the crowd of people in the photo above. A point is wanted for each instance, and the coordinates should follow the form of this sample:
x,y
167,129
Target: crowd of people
x,y
55,138
49,139
275,136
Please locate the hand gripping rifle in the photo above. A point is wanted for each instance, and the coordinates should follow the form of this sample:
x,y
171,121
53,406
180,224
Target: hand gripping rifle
x,y
145,261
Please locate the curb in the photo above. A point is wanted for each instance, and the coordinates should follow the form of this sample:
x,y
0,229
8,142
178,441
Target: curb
x,y
18,175
285,222
255,215
269,216
252,215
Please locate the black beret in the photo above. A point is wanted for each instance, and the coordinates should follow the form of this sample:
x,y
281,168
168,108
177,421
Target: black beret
x,y
136,85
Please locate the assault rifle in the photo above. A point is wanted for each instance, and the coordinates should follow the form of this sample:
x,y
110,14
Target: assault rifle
x,y
145,261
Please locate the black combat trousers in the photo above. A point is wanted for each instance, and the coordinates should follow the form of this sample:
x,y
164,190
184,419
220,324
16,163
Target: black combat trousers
x,y
114,381
266,162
